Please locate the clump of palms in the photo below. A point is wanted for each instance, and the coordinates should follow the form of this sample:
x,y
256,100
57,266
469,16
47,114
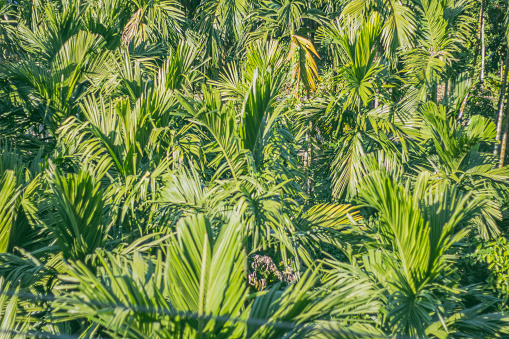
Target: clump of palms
x,y
153,149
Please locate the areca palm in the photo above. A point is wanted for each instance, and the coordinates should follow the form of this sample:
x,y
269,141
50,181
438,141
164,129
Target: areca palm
x,y
355,47
128,140
47,90
108,18
162,175
221,24
7,30
371,132
220,121
154,18
350,120
400,23
441,37
19,186
408,263
460,160
286,18
79,226
121,152
251,133
263,58
194,294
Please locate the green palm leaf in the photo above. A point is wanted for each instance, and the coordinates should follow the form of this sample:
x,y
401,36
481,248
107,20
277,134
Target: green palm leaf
x,y
79,226
8,196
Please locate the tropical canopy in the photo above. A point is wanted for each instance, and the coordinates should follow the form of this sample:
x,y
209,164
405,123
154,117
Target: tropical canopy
x,y
254,169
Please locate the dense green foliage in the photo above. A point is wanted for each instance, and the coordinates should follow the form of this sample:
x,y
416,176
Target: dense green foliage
x,y
254,168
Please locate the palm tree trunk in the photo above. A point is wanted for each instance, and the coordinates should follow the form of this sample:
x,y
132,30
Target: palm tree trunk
x,y
500,113
463,105
483,45
446,90
308,155
376,103
504,136
476,55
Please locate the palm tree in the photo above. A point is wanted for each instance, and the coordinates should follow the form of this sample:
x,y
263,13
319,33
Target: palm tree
x,y
400,22
458,159
285,19
207,302
154,18
407,264
441,37
162,173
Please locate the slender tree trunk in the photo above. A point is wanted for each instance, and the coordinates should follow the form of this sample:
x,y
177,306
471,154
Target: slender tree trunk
x,y
504,136
446,89
483,45
463,105
501,60
375,102
246,262
306,159
500,113
308,154
476,55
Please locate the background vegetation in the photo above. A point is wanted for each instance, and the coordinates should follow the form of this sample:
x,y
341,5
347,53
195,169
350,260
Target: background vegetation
x,y
254,168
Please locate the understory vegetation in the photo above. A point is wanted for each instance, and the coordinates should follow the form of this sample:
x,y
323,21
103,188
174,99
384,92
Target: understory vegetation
x,y
254,169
